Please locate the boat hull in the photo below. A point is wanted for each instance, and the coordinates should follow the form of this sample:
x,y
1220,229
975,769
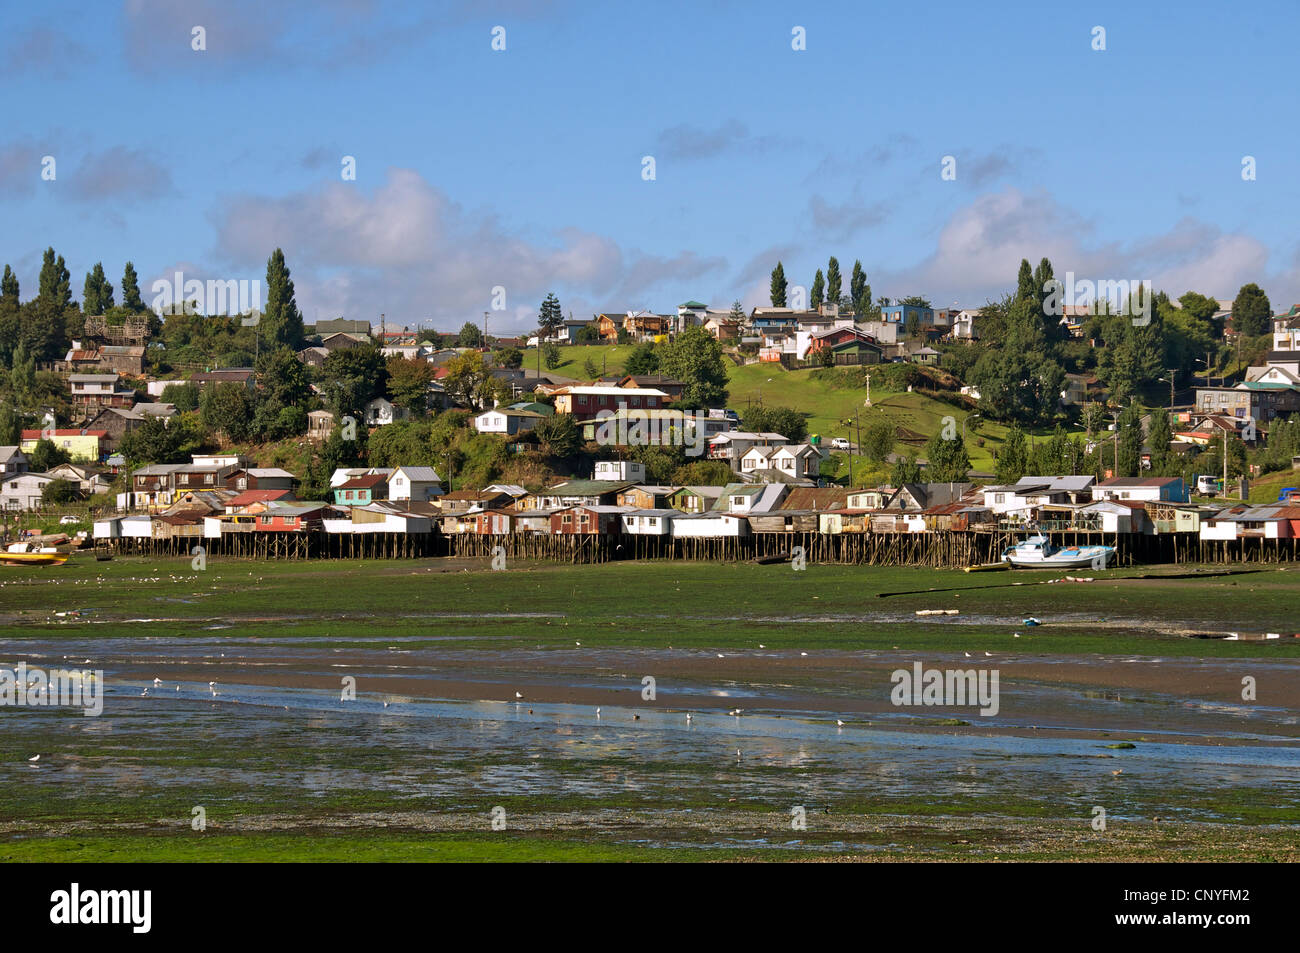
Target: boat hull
x,y
1095,557
33,559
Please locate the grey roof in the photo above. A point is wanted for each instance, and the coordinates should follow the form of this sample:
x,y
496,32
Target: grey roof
x,y
420,474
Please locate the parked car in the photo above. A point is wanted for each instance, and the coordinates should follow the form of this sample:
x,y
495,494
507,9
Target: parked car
x,y
69,520
841,443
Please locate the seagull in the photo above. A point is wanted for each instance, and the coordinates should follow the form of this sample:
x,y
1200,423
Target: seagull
x,y
735,711
720,655
968,655
803,653
597,712
578,644
36,758
157,681
688,718
761,645
519,694
839,723
989,654
737,754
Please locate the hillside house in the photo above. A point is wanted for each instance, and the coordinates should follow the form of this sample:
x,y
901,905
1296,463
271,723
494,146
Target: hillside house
x,y
79,444
620,470
1142,489
419,484
22,491
586,401
649,522
588,520
362,490
504,420
91,393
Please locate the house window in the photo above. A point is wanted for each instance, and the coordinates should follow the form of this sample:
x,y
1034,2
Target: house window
x,y
999,497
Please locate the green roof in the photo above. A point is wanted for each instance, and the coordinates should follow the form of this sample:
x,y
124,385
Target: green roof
x,y
694,305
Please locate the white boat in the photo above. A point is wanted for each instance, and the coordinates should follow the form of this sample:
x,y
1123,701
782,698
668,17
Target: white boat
x,y
1040,552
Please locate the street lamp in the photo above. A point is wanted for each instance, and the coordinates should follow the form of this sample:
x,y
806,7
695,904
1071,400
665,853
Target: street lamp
x,y
1170,381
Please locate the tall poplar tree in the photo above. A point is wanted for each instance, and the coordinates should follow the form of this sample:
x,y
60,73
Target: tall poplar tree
x,y
778,286
834,282
281,322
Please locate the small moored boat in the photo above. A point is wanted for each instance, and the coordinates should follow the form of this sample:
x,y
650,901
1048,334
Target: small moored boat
x,y
32,554
1040,552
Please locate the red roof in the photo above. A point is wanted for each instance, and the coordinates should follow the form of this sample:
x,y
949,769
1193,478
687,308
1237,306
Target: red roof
x,y
363,482
39,434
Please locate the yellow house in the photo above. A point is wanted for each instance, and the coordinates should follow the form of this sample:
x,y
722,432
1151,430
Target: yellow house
x,y
78,444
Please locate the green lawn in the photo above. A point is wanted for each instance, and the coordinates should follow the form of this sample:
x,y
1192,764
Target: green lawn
x,y
338,602
608,358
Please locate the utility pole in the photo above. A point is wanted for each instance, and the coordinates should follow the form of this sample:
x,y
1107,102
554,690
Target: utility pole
x,y
485,343
1115,472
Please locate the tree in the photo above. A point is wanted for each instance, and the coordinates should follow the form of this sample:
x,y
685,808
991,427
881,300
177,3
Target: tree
x,y
703,473
281,323
96,292
549,318
58,492
905,470
737,312
470,335
353,376
644,359
10,316
1130,441
878,440
1251,311
1158,436
946,459
227,408
778,286
860,292
46,454
551,355
162,441
834,281
43,328
695,358
131,290
509,357
817,293
558,435
184,396
1094,418
590,369
469,381
1013,458
791,424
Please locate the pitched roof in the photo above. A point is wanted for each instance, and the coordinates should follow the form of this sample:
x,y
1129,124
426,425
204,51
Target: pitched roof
x,y
815,498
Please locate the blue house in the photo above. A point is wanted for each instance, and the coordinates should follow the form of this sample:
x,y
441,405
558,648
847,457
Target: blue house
x,y
900,313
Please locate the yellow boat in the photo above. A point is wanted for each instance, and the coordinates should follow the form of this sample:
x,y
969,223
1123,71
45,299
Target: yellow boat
x,y
28,554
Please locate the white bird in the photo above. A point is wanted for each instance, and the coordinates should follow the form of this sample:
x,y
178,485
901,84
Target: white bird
x,y
157,681
737,754
688,718
735,711
968,655
990,654
36,758
385,704
598,711
761,645
720,655
803,653
578,644
519,694
839,723
211,684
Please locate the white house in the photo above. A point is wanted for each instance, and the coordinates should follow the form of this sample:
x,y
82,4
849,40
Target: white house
x,y
1142,489
650,522
1031,491
621,470
379,412
420,484
12,460
709,525
742,498
22,491
502,420
732,446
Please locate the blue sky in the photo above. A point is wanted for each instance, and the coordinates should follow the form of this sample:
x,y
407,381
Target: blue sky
x,y
522,168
